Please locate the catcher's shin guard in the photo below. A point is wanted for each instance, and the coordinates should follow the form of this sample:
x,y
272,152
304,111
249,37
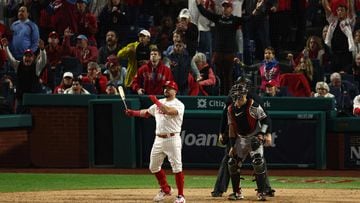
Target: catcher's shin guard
x,y
259,166
234,166
268,190
234,169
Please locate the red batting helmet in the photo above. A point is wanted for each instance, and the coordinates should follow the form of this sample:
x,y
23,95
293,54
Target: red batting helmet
x,y
171,84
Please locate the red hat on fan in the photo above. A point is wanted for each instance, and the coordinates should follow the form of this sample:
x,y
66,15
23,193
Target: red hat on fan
x,y
171,84
226,3
28,52
111,61
54,34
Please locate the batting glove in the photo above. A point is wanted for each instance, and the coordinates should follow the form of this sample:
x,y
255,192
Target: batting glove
x,y
132,113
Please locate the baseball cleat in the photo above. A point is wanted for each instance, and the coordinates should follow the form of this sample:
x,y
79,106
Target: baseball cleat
x,y
270,193
161,195
236,196
179,199
261,196
216,194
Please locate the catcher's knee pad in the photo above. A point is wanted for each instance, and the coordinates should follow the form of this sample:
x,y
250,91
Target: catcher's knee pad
x,y
258,164
255,143
234,166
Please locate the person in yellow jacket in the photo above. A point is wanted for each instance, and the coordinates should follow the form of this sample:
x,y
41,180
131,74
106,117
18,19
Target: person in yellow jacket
x,y
137,53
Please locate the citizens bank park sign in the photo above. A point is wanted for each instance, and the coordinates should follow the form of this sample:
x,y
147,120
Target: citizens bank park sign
x,y
210,103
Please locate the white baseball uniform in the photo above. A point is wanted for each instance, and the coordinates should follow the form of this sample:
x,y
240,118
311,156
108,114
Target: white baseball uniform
x,y
169,125
356,104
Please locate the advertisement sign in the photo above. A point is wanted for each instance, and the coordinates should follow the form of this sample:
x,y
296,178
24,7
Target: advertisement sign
x,y
293,142
352,151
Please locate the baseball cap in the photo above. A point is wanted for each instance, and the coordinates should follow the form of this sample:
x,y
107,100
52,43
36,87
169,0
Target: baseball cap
x,y
111,60
226,3
68,74
184,13
28,52
171,84
53,33
271,83
145,33
82,37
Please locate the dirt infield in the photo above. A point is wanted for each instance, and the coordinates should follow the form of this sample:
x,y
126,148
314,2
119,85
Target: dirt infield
x,y
192,196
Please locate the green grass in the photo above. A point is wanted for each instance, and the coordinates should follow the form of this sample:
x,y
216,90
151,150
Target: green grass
x,y
20,182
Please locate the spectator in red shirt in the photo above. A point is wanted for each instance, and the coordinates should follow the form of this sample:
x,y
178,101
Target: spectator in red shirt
x,y
151,77
4,33
206,83
54,50
87,23
54,54
95,79
65,83
83,51
64,17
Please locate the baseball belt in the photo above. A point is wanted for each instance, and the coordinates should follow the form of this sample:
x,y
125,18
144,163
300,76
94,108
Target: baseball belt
x,y
165,135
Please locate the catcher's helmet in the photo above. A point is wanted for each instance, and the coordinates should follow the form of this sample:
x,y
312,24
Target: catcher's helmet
x,y
244,80
238,90
171,84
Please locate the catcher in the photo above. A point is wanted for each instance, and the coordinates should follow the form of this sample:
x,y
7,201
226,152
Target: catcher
x,y
248,132
223,176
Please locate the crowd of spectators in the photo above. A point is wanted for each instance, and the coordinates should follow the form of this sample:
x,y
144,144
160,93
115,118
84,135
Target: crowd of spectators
x,y
305,48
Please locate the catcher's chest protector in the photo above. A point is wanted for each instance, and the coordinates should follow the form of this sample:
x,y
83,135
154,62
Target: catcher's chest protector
x,y
244,118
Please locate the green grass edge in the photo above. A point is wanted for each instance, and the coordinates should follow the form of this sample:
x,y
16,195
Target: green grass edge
x,y
24,182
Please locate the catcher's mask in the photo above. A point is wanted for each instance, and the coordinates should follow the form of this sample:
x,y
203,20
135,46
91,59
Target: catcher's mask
x,y
237,91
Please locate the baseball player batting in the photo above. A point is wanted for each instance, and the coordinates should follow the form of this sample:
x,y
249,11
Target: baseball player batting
x,y
168,113
248,133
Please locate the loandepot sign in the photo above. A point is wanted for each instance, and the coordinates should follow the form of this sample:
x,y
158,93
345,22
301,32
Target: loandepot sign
x,y
209,103
201,139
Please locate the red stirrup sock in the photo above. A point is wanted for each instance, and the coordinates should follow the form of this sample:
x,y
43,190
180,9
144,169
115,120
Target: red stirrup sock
x,y
161,178
179,178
